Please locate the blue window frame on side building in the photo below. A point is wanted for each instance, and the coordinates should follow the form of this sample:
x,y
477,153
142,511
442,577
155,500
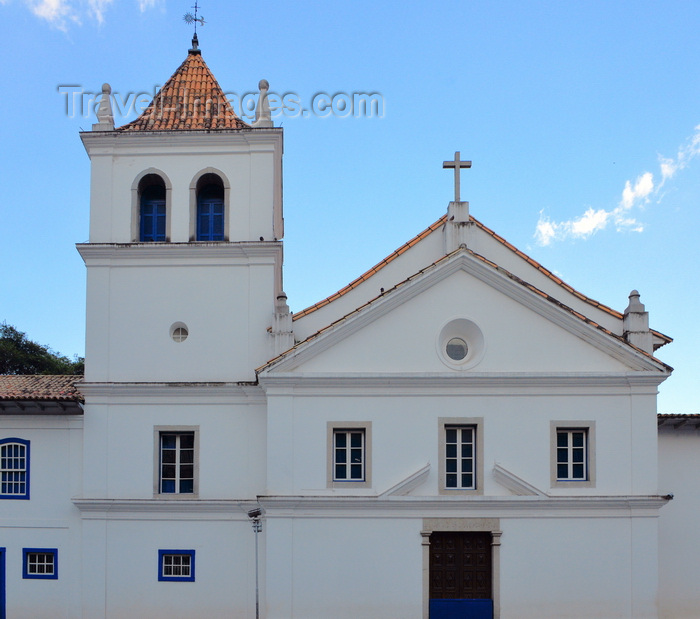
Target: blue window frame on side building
x,y
14,468
176,565
40,563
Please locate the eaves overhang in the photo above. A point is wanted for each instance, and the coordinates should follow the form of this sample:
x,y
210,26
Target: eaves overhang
x,y
40,407
679,421
178,254
224,141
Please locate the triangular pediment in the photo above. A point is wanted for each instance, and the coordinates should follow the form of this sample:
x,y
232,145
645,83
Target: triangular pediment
x,y
509,327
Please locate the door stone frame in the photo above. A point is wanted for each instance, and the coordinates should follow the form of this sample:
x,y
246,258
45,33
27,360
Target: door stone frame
x,y
466,525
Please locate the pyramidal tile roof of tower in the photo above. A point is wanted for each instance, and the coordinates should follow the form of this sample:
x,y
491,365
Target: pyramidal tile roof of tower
x,y
191,99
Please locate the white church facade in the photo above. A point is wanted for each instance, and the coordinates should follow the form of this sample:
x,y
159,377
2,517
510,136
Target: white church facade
x,y
456,433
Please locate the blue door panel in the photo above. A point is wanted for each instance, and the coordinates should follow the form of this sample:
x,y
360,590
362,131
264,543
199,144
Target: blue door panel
x,y
3,612
461,609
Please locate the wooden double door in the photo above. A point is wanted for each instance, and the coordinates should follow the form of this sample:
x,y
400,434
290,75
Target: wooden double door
x,y
460,565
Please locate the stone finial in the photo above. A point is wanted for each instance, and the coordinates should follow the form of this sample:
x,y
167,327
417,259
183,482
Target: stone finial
x,y
282,332
635,324
263,116
195,45
105,118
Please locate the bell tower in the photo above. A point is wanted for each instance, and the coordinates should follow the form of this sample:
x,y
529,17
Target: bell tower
x,y
184,259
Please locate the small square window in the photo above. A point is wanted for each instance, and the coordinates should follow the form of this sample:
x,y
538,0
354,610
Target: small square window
x,y
176,565
349,454
41,563
176,461
14,468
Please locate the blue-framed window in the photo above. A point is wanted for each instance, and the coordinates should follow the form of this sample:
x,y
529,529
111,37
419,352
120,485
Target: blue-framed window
x,y
210,209
176,565
3,599
14,468
152,217
41,563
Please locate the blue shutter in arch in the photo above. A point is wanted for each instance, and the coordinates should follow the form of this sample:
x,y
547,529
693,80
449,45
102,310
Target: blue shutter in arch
x,y
210,209
152,221
152,211
210,220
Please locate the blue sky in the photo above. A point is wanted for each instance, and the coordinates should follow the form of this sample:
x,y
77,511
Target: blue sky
x,y
582,120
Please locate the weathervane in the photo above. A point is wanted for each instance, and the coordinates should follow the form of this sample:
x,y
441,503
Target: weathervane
x,y
193,19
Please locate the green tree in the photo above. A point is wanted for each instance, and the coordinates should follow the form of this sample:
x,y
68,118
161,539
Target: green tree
x,y
19,355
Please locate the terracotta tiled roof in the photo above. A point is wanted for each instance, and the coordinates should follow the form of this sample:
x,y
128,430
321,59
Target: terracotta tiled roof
x,y
365,276
380,265
39,388
665,338
491,264
190,99
676,421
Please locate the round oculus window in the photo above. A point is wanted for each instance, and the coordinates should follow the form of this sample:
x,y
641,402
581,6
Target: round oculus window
x,y
456,349
179,332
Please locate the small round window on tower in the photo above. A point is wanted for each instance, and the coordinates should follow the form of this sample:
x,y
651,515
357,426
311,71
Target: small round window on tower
x,y
456,349
179,332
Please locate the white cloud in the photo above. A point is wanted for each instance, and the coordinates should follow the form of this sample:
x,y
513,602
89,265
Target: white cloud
x,y
144,5
56,12
97,8
634,196
60,13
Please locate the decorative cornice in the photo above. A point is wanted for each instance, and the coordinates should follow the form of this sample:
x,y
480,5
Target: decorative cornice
x,y
623,506
514,483
157,509
227,141
482,383
198,393
410,483
179,254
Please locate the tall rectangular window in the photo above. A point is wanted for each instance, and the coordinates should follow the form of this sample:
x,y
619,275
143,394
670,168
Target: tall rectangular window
x,y
572,454
460,457
14,468
177,463
40,563
349,455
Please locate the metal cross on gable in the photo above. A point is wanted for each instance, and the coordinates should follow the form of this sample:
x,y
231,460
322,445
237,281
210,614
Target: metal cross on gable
x,y
457,164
